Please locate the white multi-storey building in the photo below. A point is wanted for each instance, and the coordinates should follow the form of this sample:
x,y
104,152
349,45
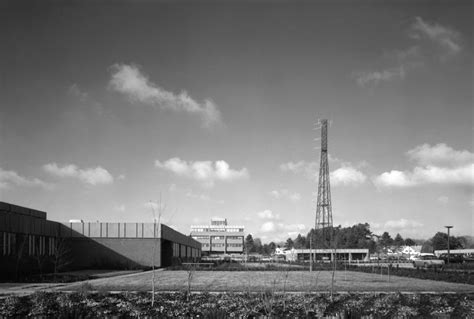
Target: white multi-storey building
x,y
219,238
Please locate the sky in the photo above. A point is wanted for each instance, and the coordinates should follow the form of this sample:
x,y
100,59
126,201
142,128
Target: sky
x,y
110,110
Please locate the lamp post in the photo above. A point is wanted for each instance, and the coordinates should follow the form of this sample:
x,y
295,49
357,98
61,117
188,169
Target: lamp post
x,y
448,227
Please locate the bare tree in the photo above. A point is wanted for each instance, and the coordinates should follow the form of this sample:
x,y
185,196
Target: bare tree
x,y
160,210
61,255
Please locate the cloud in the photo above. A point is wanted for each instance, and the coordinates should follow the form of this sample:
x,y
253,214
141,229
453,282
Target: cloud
x,y
205,172
373,78
274,229
12,178
91,176
76,91
268,214
129,80
433,43
440,155
402,224
285,194
307,169
347,176
447,39
439,165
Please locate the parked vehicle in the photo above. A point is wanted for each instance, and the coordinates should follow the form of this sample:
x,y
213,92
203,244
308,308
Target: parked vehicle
x,y
469,258
428,261
453,258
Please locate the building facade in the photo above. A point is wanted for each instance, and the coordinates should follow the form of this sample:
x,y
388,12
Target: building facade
x,y
219,237
29,243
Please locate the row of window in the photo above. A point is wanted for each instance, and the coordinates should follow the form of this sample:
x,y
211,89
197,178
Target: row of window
x,y
223,245
227,230
218,237
184,251
12,244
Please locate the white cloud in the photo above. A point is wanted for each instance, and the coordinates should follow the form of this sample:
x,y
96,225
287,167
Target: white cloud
x,y
76,91
12,178
373,78
275,229
346,176
268,214
279,231
402,224
307,169
448,39
393,178
129,80
285,194
440,155
440,165
205,172
92,176
433,42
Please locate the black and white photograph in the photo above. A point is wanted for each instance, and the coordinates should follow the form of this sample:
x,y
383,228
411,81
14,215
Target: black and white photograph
x,y
236,159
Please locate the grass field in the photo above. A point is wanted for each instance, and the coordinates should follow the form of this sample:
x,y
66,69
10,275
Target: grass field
x,y
278,281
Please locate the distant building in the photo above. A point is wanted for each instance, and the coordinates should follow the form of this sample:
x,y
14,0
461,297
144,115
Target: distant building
x,y
29,244
219,238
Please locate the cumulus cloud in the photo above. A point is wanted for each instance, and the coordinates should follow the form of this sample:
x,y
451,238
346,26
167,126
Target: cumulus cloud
x,y
307,169
205,172
91,176
439,164
12,178
273,228
129,80
432,43
347,176
285,194
268,214
440,155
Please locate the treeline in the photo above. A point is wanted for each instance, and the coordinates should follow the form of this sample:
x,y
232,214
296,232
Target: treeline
x,y
356,236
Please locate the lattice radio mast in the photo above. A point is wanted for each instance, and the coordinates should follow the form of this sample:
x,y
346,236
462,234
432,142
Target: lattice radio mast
x,y
323,208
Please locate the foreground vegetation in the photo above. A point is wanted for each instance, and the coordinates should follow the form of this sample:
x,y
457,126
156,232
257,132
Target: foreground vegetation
x,y
242,305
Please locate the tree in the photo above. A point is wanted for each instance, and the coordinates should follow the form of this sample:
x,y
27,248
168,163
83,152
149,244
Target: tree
x,y
271,247
386,240
249,244
409,242
440,241
289,243
257,244
398,241
300,242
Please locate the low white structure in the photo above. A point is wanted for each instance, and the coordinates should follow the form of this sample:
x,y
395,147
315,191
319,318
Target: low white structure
x,y
454,251
303,255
